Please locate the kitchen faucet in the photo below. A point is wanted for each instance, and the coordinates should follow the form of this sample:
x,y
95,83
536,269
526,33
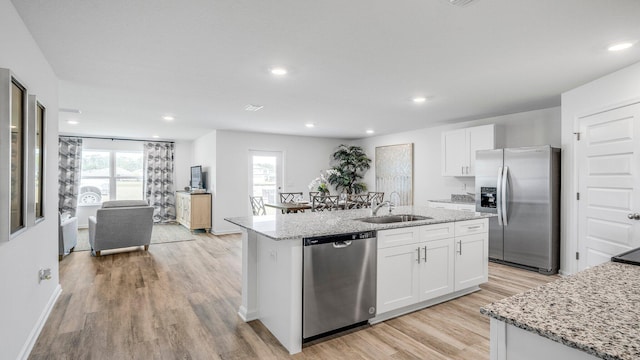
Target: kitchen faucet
x,y
374,209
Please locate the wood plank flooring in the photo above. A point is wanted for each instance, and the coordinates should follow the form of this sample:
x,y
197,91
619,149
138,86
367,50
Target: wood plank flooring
x,y
180,300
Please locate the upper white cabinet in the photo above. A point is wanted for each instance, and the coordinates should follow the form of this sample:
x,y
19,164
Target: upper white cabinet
x,y
459,149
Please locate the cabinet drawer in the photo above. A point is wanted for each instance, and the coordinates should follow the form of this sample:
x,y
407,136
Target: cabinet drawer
x,y
436,231
397,237
471,227
439,205
469,208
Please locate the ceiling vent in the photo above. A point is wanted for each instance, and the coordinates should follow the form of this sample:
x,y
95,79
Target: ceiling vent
x,y
252,107
460,3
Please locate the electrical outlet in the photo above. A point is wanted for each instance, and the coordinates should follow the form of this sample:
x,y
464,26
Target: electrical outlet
x,y
44,274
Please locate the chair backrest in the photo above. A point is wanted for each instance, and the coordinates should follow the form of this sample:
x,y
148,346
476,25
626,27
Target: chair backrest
x,y
312,194
122,226
325,202
287,197
257,205
358,201
378,197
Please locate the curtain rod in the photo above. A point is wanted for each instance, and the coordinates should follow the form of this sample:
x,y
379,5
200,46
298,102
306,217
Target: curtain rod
x,y
113,138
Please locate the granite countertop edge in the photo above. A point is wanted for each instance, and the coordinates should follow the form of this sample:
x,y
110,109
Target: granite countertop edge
x,y
549,335
580,310
295,226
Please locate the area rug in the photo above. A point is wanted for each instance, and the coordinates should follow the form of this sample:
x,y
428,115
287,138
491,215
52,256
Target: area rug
x,y
164,233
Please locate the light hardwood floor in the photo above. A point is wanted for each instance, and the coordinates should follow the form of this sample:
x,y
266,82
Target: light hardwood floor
x,y
180,300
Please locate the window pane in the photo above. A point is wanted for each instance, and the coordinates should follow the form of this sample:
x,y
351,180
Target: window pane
x,y
129,189
95,163
264,177
17,169
39,150
129,164
93,191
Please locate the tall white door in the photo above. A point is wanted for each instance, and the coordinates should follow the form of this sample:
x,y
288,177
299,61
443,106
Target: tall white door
x,y
265,176
609,184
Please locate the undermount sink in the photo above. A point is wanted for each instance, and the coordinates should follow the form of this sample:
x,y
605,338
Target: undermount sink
x,y
388,219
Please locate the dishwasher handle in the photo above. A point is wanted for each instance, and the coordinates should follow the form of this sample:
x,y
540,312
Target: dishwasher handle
x,y
341,244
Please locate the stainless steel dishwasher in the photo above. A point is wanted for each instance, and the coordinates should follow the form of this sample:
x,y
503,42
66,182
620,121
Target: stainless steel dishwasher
x,y
339,282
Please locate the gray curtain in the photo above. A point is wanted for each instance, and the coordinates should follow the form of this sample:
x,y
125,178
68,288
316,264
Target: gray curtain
x,y
69,166
158,164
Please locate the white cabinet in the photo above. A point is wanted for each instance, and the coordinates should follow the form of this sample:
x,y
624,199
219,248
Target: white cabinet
x,y
420,263
452,206
414,264
459,149
471,253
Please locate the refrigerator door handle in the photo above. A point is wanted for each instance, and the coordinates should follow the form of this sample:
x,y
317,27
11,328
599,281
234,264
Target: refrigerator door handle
x,y
505,176
499,196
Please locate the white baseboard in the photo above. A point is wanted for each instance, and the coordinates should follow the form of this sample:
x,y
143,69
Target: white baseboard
x,y
227,232
246,315
35,332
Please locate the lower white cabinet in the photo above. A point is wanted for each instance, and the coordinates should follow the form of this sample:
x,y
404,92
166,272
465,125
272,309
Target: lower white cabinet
x,y
429,261
471,260
452,206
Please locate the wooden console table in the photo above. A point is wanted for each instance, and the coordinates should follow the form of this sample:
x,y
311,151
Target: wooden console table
x,y
193,210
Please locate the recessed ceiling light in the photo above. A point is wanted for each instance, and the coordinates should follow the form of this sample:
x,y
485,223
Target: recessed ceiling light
x,y
252,107
14,127
419,99
168,118
370,131
155,136
310,125
620,46
72,122
279,71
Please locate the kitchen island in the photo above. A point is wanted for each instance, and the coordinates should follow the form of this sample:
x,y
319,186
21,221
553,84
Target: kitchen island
x,y
272,262
592,314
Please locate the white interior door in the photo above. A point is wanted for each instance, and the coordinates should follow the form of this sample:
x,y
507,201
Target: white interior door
x,y
608,168
265,176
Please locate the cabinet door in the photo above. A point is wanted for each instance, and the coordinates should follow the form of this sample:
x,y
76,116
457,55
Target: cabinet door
x,y
471,260
454,155
436,270
201,211
478,138
398,277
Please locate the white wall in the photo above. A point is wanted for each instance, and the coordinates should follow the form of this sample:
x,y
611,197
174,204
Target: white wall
x,y
23,301
611,91
182,163
529,128
303,158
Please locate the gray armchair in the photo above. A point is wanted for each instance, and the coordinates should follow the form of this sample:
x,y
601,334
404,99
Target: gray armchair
x,y
119,224
67,235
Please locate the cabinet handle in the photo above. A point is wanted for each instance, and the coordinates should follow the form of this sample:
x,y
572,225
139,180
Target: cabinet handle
x,y
418,255
467,170
474,227
460,250
425,254
462,170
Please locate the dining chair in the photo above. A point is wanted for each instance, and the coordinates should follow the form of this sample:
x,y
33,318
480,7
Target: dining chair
x,y
378,197
288,197
257,205
325,202
312,194
358,201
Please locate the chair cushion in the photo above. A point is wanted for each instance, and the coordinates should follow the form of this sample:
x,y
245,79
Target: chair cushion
x,y
124,203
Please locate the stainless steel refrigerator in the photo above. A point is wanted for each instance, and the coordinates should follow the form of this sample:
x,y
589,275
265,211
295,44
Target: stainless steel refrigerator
x,y
522,187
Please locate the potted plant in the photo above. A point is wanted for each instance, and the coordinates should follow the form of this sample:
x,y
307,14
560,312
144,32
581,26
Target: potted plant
x,y
321,183
350,163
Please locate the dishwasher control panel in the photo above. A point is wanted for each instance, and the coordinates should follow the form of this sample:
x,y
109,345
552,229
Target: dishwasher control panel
x,y
317,240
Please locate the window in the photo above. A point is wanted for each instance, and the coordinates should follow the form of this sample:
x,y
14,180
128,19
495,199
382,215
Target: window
x,y
18,97
111,175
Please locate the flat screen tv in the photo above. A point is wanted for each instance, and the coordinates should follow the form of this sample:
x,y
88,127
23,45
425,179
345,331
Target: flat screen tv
x,y
196,177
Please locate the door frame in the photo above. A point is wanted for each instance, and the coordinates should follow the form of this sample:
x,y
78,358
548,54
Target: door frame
x,y
280,169
574,219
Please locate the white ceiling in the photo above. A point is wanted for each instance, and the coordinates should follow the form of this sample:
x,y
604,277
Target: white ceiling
x,y
353,65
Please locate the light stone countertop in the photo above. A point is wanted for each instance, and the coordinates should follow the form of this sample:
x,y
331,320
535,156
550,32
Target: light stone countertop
x,y
596,310
291,226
